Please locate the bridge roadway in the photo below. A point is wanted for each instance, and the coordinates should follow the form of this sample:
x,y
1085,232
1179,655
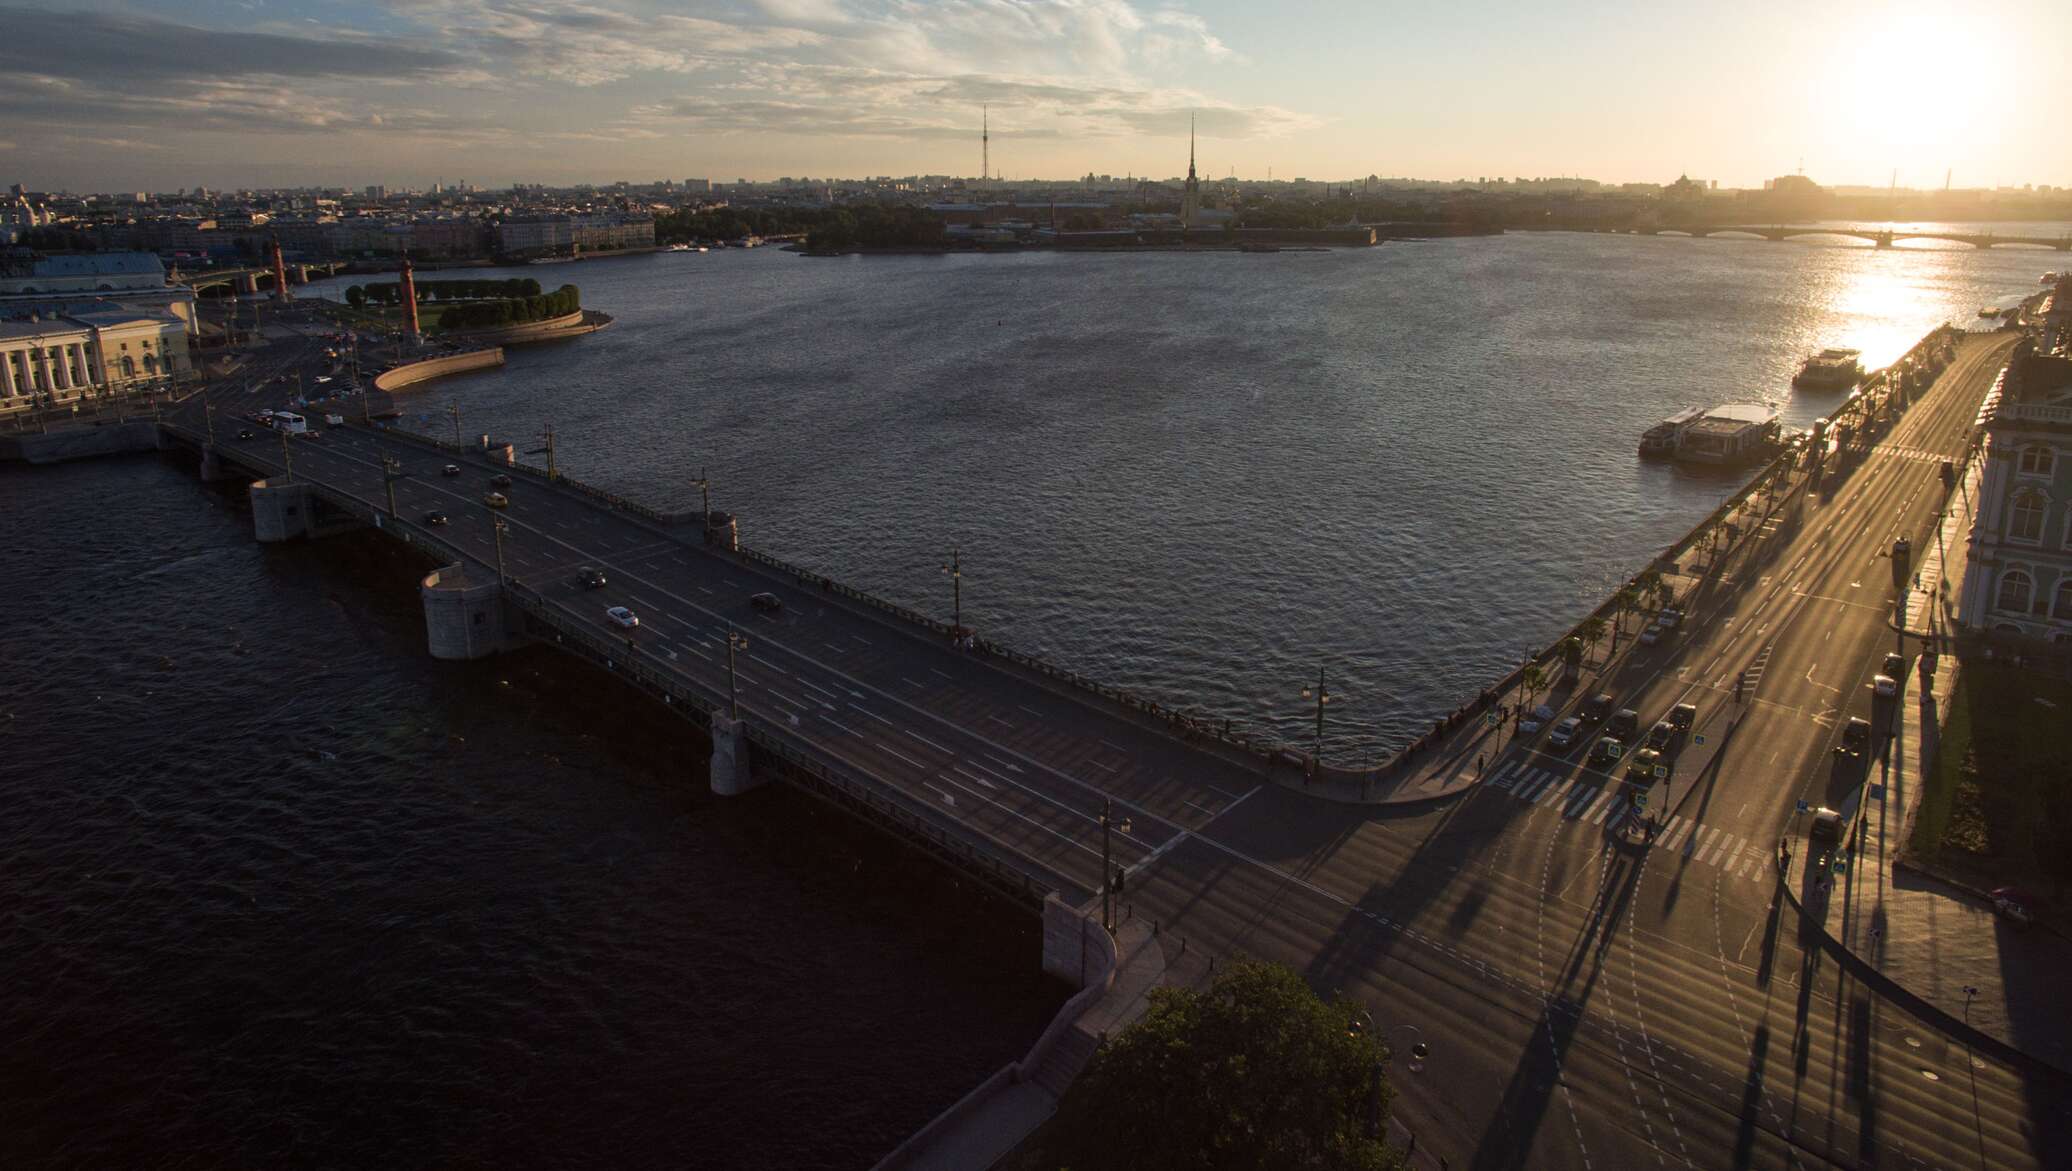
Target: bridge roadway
x,y
1588,1005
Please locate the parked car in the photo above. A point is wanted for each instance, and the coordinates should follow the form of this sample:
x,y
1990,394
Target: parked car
x,y
497,500
1902,552
2014,905
1651,635
1660,735
1606,751
1566,734
1895,666
450,470
1684,716
1856,737
1624,725
768,603
621,616
1595,708
500,481
1884,686
590,577
435,517
1669,619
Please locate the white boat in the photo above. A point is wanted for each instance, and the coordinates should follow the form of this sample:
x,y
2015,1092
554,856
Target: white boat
x,y
677,248
1660,440
1734,434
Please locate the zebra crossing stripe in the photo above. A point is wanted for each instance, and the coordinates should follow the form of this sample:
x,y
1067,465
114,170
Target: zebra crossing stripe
x,y
1554,785
1583,797
1606,810
1531,792
1508,775
1703,832
1715,854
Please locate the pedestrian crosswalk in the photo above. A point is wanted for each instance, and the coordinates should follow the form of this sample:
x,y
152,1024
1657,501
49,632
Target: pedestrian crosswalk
x,y
1592,799
1913,453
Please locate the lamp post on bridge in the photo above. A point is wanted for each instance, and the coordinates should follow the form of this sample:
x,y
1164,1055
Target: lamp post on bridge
x,y
497,524
454,410
704,485
1110,877
208,410
287,456
390,473
955,571
1322,696
736,641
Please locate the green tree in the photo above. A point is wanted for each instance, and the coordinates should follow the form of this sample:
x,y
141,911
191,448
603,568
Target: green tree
x,y
1254,1072
356,296
1531,680
1591,631
1624,602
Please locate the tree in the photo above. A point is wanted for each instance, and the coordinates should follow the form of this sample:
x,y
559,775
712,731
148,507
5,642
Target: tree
x,y
1623,604
1531,680
356,296
1591,631
1571,655
1255,1072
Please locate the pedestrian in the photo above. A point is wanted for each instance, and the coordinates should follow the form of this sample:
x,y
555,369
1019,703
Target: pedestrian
x,y
1478,764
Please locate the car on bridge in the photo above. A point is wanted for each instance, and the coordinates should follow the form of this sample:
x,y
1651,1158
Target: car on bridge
x,y
767,603
621,616
497,500
244,434
450,470
590,577
435,517
500,481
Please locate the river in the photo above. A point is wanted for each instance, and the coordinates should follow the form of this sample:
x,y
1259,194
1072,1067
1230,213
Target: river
x,y
1208,477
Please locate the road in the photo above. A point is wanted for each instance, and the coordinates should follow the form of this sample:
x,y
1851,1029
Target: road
x,y
1589,1004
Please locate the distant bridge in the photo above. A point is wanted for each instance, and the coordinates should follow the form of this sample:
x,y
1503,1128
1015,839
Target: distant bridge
x,y
254,279
1882,237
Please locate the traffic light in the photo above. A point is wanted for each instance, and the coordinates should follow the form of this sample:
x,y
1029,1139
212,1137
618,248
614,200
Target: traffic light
x,y
1740,685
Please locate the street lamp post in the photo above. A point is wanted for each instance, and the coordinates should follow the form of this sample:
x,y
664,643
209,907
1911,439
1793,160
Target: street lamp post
x,y
454,410
955,570
1323,696
736,641
704,483
389,475
1109,875
208,410
497,524
287,457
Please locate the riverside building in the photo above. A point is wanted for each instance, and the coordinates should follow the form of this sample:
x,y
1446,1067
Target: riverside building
x,y
53,361
2019,580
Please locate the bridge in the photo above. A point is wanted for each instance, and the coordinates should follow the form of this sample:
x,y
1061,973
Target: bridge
x,y
1882,237
1590,1001
255,278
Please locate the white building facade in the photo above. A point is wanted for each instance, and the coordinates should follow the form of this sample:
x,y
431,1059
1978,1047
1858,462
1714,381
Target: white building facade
x,y
2019,582
106,351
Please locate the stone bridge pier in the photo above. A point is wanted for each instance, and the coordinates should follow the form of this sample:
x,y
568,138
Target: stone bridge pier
x,y
731,774
464,615
285,510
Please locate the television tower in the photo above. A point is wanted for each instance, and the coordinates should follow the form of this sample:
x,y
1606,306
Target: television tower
x,y
985,144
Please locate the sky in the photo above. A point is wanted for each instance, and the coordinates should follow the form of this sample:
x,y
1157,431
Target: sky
x,y
148,95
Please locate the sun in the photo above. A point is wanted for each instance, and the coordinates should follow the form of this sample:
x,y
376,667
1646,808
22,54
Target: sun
x,y
1900,98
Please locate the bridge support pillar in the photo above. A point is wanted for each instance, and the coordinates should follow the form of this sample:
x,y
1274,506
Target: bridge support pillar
x,y
1073,942
212,467
731,775
280,512
463,615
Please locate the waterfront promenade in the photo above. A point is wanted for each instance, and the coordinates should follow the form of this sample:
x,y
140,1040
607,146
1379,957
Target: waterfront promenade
x,y
1588,1003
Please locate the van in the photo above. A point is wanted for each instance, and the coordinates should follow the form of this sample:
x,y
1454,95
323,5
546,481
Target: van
x,y
290,422
1624,725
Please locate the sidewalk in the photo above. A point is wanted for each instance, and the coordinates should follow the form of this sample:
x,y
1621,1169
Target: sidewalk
x,y
1931,939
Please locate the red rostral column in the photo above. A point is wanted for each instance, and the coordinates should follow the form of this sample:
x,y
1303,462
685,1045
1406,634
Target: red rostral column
x,y
280,273
409,297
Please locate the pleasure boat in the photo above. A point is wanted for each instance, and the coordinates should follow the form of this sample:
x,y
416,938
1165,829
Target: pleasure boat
x,y
1835,368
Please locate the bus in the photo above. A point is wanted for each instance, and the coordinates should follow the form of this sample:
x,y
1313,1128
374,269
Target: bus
x,y
290,422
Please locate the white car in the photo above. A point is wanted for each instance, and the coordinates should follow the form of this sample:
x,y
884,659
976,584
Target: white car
x,y
1566,733
1669,619
1884,686
621,616
1651,635
323,378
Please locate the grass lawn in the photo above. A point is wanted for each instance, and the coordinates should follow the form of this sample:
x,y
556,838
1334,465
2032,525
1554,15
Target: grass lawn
x,y
1997,806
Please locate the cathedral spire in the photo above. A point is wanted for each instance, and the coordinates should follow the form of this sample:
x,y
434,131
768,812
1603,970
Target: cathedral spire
x,y
1190,147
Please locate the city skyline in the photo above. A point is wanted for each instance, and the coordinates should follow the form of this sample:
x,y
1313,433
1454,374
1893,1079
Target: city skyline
x,y
135,96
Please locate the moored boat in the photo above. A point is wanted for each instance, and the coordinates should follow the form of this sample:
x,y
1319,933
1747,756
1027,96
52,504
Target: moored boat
x,y
1835,368
1730,435
1660,440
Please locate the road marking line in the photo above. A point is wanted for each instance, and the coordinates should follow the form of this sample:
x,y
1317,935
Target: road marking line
x,y
944,674
1607,809
822,690
839,724
901,755
840,650
861,639
998,720
974,777
1114,745
908,682
1584,800
864,711
1024,707
947,797
1097,764
927,741
1538,780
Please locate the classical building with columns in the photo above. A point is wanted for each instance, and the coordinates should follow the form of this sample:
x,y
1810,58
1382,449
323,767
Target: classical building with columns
x,y
2019,581
52,361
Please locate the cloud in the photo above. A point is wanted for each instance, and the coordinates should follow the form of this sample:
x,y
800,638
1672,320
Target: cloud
x,y
145,50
